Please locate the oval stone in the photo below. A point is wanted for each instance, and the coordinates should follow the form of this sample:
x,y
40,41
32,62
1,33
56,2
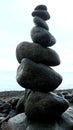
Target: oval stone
x,y
40,22
42,14
42,36
37,77
37,53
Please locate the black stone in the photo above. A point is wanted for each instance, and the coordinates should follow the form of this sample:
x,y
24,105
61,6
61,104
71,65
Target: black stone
x,y
40,22
42,36
41,7
37,77
45,107
20,105
42,14
37,53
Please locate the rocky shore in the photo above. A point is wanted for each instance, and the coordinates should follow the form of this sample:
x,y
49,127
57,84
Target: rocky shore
x,y
6,95
12,101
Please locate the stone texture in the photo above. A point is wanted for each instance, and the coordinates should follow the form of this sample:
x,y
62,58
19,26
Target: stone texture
x,y
37,53
42,14
41,7
43,107
40,22
20,122
4,107
37,77
42,36
20,105
13,101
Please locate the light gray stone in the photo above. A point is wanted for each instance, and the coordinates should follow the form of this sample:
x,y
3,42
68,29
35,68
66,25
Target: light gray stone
x,y
37,77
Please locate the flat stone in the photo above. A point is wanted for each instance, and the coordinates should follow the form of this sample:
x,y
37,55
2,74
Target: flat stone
x,y
43,107
43,14
42,36
41,7
20,122
37,77
37,53
40,22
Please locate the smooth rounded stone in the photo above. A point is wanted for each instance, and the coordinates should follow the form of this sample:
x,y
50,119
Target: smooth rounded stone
x,y
42,36
45,107
40,22
37,77
43,14
37,53
41,7
20,122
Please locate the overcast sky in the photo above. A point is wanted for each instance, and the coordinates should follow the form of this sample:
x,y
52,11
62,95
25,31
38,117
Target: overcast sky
x,y
16,23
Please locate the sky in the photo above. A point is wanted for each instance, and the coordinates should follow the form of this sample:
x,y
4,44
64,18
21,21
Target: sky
x,y
16,23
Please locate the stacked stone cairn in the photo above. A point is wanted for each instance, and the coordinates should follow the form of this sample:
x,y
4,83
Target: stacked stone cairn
x,y
34,73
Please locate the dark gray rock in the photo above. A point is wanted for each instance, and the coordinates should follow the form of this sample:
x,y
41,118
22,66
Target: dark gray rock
x,y
4,107
40,22
45,107
37,77
20,122
3,114
42,14
13,101
42,36
12,113
68,96
20,105
66,121
41,7
37,53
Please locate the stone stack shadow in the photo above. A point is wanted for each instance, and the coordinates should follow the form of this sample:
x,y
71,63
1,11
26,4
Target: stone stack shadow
x,y
35,73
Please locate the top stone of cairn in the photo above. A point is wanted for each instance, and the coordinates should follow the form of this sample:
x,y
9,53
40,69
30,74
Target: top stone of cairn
x,y
41,7
41,11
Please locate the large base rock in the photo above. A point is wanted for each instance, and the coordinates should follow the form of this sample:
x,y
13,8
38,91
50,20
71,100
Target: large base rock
x,y
45,107
20,122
